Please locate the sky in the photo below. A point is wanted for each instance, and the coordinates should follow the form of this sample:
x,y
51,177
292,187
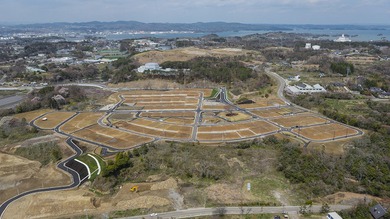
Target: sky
x,y
189,11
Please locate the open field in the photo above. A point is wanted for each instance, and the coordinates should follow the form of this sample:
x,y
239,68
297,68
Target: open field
x,y
53,119
263,103
29,116
234,131
238,116
80,121
167,114
185,54
325,132
267,113
111,137
300,120
157,128
121,116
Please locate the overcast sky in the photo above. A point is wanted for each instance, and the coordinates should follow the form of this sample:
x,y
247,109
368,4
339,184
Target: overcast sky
x,y
188,11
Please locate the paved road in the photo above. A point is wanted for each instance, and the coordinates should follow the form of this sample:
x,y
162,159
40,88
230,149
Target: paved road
x,y
62,165
196,212
10,101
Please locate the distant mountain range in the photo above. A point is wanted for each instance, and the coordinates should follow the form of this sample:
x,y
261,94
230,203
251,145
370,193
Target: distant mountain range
x,y
196,27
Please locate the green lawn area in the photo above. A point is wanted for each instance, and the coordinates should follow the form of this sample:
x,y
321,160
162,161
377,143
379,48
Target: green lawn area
x,y
92,164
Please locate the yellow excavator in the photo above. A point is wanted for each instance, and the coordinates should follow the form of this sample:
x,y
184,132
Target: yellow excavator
x,y
134,189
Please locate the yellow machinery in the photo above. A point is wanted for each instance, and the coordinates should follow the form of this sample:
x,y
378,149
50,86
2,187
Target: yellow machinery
x,y
134,189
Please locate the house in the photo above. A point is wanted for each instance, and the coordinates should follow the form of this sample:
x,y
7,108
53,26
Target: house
x,y
151,66
378,211
333,215
295,78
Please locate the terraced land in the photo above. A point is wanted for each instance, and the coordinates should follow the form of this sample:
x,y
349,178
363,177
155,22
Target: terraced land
x,y
112,137
80,121
53,119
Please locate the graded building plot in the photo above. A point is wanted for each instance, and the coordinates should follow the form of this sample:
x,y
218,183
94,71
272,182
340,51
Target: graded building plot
x,y
235,130
235,117
167,114
222,136
170,107
180,121
276,112
80,121
156,128
214,107
262,103
29,116
112,137
51,120
326,132
121,116
300,120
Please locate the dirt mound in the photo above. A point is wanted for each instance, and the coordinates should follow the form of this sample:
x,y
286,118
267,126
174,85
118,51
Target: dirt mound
x,y
143,202
167,184
20,174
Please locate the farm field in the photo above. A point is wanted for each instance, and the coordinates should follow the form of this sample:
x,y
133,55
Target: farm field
x,y
80,121
111,137
53,119
325,132
300,120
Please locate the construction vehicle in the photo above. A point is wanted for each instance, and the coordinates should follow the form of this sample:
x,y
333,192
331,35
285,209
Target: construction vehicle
x,y
134,189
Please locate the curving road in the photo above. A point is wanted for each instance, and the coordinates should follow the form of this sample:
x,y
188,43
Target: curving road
x,y
62,165
198,212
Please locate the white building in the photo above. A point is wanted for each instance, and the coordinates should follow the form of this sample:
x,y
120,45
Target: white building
x,y
333,215
343,39
305,88
316,47
308,46
151,66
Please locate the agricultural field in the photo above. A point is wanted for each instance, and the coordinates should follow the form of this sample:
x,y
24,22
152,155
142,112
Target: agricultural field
x,y
325,132
53,119
80,121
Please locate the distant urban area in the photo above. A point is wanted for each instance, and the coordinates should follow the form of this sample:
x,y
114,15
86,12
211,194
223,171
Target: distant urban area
x,y
202,120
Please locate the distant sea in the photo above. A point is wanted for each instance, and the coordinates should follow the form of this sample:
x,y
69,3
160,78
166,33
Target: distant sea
x,y
354,35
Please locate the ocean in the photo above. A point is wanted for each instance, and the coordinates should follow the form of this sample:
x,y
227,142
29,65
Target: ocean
x,y
354,35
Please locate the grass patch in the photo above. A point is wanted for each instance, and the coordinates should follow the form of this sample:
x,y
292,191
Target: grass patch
x,y
128,213
44,152
213,93
92,164
264,186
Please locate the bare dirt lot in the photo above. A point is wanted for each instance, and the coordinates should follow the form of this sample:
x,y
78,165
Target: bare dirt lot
x,y
80,121
300,120
325,132
20,174
53,119
29,116
81,201
111,137
185,54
